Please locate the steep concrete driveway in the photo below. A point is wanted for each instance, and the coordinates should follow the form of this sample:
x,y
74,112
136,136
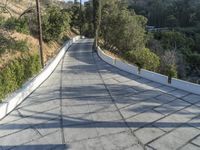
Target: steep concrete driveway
x,y
87,104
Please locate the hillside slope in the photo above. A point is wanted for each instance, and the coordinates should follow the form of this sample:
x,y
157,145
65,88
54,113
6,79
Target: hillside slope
x,y
17,7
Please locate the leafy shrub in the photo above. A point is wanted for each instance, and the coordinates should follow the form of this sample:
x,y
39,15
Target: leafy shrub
x,y
20,25
74,12
20,45
9,44
171,72
169,62
17,72
144,58
2,20
3,45
55,22
35,64
194,59
197,41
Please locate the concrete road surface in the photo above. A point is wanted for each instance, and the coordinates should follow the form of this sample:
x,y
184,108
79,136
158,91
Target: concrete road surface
x,y
87,104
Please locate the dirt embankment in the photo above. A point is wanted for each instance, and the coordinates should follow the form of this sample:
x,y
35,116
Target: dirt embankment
x,y
15,7
49,49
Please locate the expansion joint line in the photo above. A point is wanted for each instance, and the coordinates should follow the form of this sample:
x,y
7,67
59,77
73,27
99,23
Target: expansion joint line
x,y
113,100
61,111
61,99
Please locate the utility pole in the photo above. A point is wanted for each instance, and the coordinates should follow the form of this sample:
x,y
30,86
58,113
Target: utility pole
x,y
96,21
94,24
40,33
81,18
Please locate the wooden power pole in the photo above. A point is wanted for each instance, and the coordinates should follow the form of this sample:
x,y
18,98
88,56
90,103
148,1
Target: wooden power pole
x,y
81,18
40,33
96,20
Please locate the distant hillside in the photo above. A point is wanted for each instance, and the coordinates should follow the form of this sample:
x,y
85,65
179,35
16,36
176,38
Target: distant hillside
x,y
146,2
17,7
138,2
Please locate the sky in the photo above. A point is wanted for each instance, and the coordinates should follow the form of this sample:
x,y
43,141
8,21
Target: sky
x,y
78,0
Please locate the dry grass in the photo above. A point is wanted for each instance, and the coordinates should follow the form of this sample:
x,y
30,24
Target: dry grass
x,y
116,56
16,7
49,49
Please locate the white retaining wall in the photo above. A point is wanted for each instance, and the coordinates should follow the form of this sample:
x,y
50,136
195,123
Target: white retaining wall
x,y
127,67
153,76
17,97
176,83
187,86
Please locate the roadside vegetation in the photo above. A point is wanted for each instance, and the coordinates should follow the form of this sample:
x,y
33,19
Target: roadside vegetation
x,y
174,34
161,36
19,59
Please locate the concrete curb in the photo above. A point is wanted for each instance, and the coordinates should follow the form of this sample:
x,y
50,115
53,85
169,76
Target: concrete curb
x,y
156,77
18,96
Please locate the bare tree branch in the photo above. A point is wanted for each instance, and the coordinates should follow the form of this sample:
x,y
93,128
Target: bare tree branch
x,y
27,11
4,9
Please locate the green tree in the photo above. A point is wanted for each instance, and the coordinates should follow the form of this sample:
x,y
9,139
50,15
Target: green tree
x,y
74,12
88,25
183,12
157,13
121,29
144,58
197,43
55,22
194,63
176,41
171,21
20,25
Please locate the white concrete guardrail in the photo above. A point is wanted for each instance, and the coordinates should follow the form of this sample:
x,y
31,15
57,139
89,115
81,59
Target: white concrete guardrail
x,y
18,96
176,83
